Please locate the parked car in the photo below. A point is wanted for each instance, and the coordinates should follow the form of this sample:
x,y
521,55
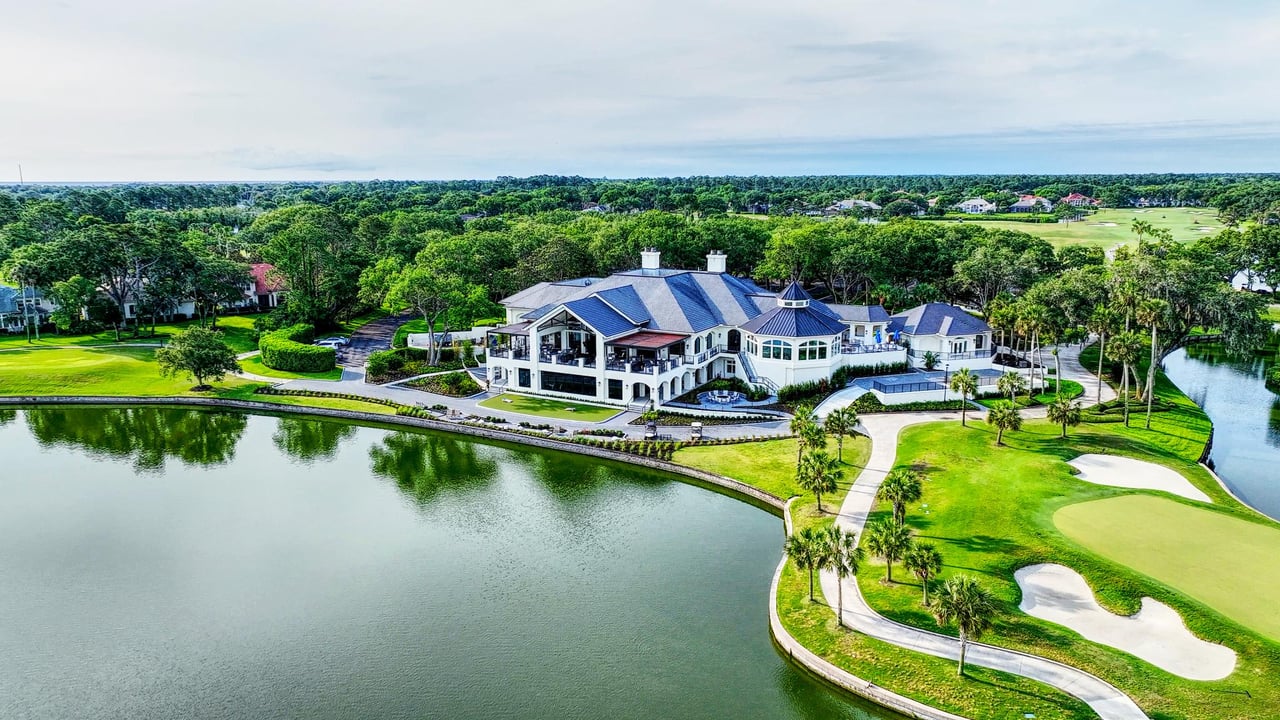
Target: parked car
x,y
332,342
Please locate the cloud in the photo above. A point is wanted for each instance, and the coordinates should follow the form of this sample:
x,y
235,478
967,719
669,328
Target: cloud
x,y
152,89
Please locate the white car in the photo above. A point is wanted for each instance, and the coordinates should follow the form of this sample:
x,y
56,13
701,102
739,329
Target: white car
x,y
332,342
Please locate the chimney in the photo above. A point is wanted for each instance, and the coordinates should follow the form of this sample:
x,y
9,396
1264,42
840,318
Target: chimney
x,y
716,261
649,259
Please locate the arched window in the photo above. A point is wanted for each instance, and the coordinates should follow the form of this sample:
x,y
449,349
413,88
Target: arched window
x,y
697,345
813,350
776,350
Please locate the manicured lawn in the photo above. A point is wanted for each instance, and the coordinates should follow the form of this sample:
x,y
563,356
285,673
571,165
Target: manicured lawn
x,y
770,465
360,321
1108,228
544,407
1070,388
990,511
1231,565
417,325
254,365
237,331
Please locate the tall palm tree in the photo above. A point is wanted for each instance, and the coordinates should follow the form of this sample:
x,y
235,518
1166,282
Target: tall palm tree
x,y
841,422
1152,313
889,541
964,382
1064,412
1011,383
925,562
843,557
819,473
900,487
1142,229
1102,322
801,421
961,600
804,548
1004,416
1126,348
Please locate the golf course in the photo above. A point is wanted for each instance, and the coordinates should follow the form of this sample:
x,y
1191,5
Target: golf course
x,y
1109,227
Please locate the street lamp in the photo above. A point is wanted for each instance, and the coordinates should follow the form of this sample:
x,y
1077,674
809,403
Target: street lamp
x,y
946,374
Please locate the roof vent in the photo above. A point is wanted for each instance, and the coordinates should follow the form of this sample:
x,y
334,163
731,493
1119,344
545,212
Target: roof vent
x,y
716,261
649,259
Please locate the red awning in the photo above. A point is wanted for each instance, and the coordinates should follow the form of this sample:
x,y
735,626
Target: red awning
x,y
648,340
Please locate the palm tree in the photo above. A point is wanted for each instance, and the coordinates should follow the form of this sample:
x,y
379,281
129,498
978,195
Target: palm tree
x,y
841,422
819,473
1004,416
900,487
1125,349
964,382
1064,412
1152,313
925,562
801,421
1102,322
804,549
969,605
889,541
842,556
931,360
1011,383
1141,228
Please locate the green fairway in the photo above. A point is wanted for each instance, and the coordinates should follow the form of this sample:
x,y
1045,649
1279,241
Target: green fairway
x,y
89,371
1108,228
254,365
544,407
1231,566
771,465
237,332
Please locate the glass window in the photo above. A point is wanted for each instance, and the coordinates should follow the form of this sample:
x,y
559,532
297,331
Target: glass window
x,y
977,342
813,350
524,377
752,347
860,330
731,367
776,350
615,389
566,383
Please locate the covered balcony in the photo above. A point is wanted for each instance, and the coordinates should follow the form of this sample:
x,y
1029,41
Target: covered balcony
x,y
647,352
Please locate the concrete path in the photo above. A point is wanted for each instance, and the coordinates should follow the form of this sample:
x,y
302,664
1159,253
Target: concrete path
x,y
1106,700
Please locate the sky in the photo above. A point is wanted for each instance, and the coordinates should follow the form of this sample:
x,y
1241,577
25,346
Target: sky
x,y
178,90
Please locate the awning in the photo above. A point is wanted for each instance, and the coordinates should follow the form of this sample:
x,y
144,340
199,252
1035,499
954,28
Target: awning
x,y
521,328
648,340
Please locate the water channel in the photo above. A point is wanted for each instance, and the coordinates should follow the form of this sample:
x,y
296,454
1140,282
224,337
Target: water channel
x,y
1245,415
165,563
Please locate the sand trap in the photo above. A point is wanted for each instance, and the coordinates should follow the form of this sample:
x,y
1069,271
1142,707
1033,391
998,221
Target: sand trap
x,y
1102,224
1136,474
1156,633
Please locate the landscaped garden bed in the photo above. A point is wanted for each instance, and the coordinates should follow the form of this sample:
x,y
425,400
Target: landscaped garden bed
x,y
454,384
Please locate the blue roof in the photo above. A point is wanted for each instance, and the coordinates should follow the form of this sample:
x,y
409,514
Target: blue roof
x,y
698,309
538,312
625,300
796,322
931,318
794,292
594,312
9,297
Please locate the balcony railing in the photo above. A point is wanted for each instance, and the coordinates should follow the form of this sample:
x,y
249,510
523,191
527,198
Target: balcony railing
x,y
705,355
971,355
645,367
855,349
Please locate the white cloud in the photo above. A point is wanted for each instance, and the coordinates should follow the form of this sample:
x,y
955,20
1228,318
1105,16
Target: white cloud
x,y
278,89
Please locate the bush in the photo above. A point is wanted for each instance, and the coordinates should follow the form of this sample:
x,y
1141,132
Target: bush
x,y
869,403
287,349
1273,379
454,384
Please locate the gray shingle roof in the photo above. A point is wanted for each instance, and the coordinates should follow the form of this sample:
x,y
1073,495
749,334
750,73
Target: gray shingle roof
x,y
860,313
932,319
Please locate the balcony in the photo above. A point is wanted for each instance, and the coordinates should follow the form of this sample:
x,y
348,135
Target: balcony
x,y
943,357
859,349
704,356
645,367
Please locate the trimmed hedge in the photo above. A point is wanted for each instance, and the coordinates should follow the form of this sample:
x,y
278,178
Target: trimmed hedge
x,y
288,349
868,403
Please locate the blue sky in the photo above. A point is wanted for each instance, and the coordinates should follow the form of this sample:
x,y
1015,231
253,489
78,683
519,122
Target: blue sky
x,y
280,89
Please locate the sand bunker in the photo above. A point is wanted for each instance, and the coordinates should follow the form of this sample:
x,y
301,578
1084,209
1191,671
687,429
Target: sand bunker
x,y
1136,474
1156,633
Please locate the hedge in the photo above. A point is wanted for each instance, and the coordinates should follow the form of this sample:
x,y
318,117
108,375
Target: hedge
x,y
868,403
288,349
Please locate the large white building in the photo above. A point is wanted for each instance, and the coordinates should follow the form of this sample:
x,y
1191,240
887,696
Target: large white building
x,y
654,333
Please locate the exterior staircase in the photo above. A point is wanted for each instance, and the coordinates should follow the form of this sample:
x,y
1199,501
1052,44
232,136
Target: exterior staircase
x,y
745,361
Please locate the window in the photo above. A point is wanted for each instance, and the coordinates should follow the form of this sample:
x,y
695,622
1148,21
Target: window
x,y
524,377
566,383
835,347
813,350
615,389
697,345
977,342
860,330
776,350
752,347
731,367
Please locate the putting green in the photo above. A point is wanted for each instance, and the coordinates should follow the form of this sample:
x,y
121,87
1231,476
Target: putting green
x,y
1224,562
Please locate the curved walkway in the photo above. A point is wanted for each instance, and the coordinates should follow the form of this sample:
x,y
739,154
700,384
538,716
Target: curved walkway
x,y
1105,699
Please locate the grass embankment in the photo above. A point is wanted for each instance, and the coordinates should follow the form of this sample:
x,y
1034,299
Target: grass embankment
x,y
129,371
1070,388
992,510
237,332
254,365
1109,227
543,407
770,466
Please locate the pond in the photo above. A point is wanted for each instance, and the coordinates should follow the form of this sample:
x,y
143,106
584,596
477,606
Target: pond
x,y
175,563
1245,415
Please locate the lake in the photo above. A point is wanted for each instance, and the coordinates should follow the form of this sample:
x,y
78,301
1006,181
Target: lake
x,y
1245,415
172,563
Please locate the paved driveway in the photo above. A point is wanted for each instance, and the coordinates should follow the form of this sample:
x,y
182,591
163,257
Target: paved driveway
x,y
375,336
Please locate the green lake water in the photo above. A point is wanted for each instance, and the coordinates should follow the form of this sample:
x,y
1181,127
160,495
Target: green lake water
x,y
162,563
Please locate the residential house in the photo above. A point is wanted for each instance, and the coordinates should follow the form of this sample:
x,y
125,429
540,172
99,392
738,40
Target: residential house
x,y
268,289
954,336
1031,203
864,207
1078,200
20,306
651,334
976,206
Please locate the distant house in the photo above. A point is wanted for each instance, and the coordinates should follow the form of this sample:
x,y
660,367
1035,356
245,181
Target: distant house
x,y
1078,200
851,205
268,289
955,336
594,208
976,206
1031,203
21,305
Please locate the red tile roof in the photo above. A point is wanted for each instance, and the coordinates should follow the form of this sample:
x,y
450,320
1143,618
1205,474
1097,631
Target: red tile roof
x,y
264,281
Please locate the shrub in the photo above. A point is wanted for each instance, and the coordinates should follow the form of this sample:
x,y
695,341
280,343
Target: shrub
x,y
287,349
454,384
1273,379
868,403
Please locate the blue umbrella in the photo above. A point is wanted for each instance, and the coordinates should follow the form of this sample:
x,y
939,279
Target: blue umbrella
x,y
877,336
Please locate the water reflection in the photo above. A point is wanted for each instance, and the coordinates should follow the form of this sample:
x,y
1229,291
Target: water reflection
x,y
310,440
424,464
146,437
7,416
